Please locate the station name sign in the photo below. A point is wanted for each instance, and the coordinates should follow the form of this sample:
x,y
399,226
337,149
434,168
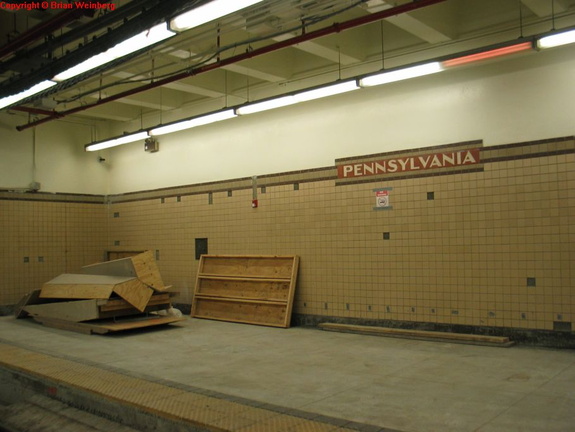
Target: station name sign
x,y
409,163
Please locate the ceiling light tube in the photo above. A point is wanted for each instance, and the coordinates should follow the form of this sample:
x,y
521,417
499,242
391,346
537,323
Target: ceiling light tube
x,y
116,141
326,91
208,12
142,40
198,121
401,74
266,105
498,52
556,40
37,88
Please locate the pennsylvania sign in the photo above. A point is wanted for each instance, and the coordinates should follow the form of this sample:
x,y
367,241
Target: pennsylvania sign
x,y
409,163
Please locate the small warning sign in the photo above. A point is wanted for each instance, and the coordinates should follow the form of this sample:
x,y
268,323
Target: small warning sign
x,y
382,198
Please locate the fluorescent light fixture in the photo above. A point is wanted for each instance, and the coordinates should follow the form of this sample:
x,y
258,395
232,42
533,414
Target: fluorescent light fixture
x,y
37,88
498,52
208,12
117,141
326,91
555,40
198,121
142,40
299,97
266,105
401,74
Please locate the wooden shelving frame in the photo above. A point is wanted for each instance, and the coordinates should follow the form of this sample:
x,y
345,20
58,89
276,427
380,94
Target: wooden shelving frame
x,y
252,289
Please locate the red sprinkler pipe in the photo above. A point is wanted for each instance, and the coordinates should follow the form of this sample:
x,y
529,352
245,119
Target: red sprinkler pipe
x,y
334,28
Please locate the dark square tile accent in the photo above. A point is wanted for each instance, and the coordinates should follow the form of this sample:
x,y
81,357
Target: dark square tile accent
x,y
430,196
386,235
531,282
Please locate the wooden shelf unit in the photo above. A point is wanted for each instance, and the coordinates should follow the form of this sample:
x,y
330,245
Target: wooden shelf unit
x,y
252,289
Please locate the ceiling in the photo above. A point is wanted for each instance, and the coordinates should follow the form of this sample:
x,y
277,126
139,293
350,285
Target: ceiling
x,y
271,48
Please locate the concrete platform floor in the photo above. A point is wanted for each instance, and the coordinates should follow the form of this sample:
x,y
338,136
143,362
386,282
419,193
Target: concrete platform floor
x,y
343,381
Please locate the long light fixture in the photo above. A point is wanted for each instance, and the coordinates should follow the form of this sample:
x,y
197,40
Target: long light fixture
x,y
556,40
142,40
298,97
322,92
37,88
490,54
401,74
116,141
208,12
198,121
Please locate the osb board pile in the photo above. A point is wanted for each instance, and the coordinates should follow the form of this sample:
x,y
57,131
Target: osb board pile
x,y
106,297
253,289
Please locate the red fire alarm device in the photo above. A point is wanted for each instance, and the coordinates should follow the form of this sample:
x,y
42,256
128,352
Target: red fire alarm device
x,y
254,203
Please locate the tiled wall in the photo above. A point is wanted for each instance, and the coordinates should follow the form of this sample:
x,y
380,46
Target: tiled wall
x,y
44,236
491,247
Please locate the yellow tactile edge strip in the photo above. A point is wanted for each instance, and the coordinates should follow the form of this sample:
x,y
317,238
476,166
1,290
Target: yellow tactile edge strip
x,y
197,410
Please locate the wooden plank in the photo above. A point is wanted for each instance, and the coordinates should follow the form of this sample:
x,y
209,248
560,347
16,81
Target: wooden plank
x,y
108,327
103,327
135,292
418,334
75,311
266,289
291,292
119,304
250,266
268,314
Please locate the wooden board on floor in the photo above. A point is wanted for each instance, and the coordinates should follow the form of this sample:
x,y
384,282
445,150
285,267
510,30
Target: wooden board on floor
x,y
419,334
254,289
75,311
103,327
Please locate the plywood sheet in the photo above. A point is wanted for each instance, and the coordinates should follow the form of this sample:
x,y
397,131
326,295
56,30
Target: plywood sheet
x,y
147,270
81,286
134,292
143,266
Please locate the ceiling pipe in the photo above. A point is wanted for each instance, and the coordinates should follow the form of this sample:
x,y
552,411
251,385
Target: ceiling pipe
x,y
334,28
41,30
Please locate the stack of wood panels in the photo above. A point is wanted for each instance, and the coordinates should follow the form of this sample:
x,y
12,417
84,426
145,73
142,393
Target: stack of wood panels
x,y
86,302
253,289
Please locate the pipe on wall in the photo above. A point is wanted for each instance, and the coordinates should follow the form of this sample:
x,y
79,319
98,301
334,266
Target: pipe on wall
x,y
334,28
